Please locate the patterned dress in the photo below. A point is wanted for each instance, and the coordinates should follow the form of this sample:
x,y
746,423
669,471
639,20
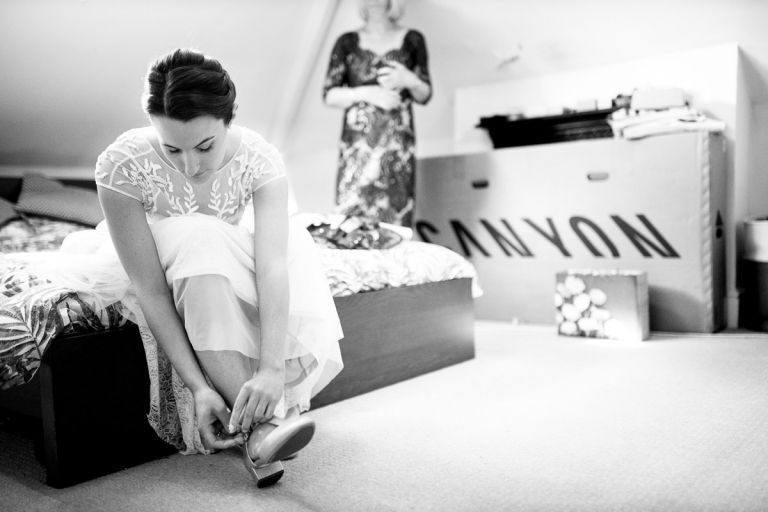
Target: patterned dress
x,y
377,148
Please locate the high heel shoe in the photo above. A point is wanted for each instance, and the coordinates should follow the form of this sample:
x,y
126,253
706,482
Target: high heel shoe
x,y
274,441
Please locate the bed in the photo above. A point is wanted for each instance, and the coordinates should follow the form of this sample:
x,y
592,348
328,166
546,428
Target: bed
x,y
400,319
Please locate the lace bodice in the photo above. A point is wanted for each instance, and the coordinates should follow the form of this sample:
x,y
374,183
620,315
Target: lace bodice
x,y
131,166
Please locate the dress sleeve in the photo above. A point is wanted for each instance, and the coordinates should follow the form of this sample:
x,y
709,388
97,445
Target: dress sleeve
x,y
267,165
418,46
117,171
337,67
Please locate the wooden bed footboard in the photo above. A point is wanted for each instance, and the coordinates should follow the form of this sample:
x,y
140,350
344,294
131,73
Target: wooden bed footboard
x,y
91,392
398,333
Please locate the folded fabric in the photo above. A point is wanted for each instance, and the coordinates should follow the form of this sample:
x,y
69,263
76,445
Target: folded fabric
x,y
661,127
354,232
51,198
7,213
335,220
657,122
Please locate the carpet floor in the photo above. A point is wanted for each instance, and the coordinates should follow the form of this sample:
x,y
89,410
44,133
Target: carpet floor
x,y
535,422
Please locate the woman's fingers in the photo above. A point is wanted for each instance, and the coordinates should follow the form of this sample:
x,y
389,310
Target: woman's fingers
x,y
235,417
249,407
258,412
207,435
270,410
262,411
213,440
249,412
265,410
223,416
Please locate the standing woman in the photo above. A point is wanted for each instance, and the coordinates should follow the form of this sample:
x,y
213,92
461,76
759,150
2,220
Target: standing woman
x,y
375,74
245,318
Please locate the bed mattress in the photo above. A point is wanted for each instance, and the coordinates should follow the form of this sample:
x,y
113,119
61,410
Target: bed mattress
x,y
33,311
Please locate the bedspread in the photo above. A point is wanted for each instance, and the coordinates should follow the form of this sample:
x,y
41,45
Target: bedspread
x,y
33,311
408,263
34,233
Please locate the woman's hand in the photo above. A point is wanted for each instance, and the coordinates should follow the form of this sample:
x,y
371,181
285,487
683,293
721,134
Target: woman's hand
x,y
258,398
394,76
378,96
212,421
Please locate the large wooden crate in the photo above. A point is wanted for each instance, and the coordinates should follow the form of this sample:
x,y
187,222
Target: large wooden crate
x,y
521,214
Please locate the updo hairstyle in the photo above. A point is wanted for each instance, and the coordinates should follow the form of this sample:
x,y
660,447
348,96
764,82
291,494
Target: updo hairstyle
x,y
186,84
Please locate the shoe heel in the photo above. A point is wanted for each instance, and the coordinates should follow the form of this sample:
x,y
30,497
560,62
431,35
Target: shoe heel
x,y
267,475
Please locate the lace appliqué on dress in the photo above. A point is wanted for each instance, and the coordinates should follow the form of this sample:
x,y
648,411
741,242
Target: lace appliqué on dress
x,y
172,407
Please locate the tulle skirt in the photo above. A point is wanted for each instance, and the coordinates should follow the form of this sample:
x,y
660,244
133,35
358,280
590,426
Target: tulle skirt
x,y
209,266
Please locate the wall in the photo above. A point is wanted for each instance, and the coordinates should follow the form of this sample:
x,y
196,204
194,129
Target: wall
x,y
708,75
469,41
713,78
72,70
491,56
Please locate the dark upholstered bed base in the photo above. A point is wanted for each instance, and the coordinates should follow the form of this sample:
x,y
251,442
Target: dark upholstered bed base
x,y
91,390
10,186
91,395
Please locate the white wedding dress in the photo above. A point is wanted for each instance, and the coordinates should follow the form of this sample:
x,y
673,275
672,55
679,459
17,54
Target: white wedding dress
x,y
207,254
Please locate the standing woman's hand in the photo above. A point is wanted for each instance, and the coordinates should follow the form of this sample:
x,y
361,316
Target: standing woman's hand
x,y
258,398
395,76
378,96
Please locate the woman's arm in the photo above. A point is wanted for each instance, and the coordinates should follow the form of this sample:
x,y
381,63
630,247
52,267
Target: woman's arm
x,y
270,246
260,395
344,97
136,248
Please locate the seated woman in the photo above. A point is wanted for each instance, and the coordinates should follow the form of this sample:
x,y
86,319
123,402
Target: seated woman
x,y
246,318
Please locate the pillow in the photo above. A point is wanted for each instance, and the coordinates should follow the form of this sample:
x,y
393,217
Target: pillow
x,y
51,198
7,213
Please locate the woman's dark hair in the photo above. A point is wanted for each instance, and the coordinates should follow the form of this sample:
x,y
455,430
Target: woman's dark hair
x,y
186,84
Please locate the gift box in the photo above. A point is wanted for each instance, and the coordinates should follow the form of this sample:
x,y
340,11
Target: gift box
x,y
602,304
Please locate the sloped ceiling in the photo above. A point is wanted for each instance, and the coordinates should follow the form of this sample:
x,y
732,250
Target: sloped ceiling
x,y
73,69
487,41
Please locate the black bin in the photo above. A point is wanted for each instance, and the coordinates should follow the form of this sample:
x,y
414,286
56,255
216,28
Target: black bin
x,y
754,304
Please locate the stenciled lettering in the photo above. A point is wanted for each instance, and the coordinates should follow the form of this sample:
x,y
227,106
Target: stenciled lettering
x,y
422,227
665,251
519,246
463,234
647,240
551,236
576,223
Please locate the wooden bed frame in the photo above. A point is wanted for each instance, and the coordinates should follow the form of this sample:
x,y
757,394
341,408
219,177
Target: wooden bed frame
x,y
92,415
